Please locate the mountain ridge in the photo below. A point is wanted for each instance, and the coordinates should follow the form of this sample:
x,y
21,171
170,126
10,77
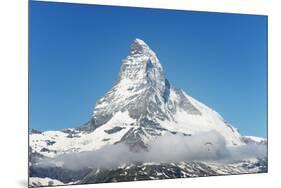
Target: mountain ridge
x,y
142,79
140,106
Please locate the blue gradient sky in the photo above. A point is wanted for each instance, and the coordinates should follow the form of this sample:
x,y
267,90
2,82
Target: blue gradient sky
x,y
76,50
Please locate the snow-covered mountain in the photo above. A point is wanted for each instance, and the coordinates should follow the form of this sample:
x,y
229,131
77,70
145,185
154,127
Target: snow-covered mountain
x,y
254,140
141,106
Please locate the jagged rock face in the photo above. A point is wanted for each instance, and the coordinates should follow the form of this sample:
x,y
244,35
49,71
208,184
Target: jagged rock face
x,y
140,89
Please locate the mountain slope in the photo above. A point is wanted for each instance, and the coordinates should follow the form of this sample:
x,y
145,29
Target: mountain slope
x,y
156,171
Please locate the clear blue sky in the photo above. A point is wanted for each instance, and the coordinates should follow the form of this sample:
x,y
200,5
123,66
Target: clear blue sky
x,y
76,50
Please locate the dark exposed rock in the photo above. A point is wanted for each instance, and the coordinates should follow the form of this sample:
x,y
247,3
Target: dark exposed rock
x,y
113,130
44,150
106,139
49,143
34,131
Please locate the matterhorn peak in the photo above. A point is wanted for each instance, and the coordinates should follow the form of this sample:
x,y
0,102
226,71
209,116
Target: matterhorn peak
x,y
143,94
141,65
139,47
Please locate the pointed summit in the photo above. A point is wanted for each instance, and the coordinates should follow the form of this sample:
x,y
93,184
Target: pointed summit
x,y
139,47
142,65
140,42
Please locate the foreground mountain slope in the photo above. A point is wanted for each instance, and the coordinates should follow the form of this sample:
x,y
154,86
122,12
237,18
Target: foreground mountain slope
x,y
146,171
156,171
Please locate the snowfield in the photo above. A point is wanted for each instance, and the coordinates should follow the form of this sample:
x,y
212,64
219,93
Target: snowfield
x,y
34,181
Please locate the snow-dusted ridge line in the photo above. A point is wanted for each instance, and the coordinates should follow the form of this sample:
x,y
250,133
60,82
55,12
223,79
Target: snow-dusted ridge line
x,y
255,138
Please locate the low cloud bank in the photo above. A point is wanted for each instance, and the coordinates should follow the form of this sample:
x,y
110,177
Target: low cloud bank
x,y
207,146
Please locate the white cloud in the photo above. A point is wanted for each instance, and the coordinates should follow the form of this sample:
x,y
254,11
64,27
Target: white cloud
x,y
206,146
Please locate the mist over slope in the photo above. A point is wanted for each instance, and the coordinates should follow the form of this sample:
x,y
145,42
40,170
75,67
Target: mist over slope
x,y
206,146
